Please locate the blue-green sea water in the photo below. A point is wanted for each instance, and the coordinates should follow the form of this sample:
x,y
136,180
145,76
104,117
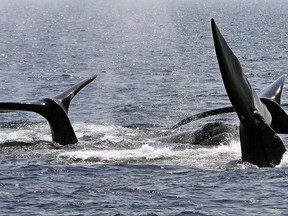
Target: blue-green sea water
x,y
156,65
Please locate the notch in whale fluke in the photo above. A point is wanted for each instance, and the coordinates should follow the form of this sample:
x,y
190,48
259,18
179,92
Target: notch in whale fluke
x,y
55,110
260,145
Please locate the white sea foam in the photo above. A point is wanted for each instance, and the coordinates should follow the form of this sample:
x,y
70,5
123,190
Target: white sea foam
x,y
148,150
196,157
105,132
26,133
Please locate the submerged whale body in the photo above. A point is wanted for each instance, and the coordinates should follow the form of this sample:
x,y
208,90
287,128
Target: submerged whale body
x,y
55,110
211,134
260,119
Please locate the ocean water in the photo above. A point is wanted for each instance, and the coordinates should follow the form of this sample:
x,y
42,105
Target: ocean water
x,y
156,65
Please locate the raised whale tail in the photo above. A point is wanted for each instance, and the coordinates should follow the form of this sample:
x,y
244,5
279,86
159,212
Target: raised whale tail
x,y
55,110
260,145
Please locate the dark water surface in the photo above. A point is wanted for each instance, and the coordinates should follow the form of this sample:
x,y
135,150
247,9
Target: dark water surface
x,y
156,65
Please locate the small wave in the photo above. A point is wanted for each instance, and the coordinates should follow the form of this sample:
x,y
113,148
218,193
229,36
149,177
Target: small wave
x,y
216,157
28,133
144,153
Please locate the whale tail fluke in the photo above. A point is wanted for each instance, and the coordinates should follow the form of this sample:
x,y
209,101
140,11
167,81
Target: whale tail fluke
x,y
55,110
260,144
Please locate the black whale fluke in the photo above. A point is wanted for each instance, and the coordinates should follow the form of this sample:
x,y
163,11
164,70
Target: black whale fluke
x,y
55,110
271,97
260,145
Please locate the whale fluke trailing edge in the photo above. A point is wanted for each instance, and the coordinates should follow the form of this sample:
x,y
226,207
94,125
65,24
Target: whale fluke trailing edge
x,y
205,114
260,145
55,110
